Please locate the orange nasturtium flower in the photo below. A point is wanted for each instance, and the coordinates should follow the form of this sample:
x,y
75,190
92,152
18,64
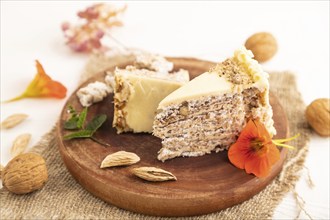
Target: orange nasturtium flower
x,y
42,86
255,151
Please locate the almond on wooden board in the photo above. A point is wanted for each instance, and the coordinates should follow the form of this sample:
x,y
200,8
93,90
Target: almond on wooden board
x,y
153,174
120,158
13,120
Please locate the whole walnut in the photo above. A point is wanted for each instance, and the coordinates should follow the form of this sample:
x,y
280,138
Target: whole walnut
x,y
25,173
318,116
263,45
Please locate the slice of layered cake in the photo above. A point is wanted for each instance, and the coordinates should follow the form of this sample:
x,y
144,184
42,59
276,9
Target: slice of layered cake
x,y
138,90
208,113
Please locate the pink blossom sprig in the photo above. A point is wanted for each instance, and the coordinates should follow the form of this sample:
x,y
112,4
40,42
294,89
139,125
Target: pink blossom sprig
x,y
97,20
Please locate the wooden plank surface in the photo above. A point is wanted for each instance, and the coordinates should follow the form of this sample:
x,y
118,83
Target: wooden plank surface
x,y
205,184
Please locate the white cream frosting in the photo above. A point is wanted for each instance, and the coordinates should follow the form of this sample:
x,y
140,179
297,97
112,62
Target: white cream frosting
x,y
210,83
203,85
245,58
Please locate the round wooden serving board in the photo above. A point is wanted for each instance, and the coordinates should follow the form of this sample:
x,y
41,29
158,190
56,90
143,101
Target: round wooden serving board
x,y
205,184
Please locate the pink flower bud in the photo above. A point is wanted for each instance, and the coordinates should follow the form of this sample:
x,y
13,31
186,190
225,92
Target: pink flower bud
x,y
99,34
65,26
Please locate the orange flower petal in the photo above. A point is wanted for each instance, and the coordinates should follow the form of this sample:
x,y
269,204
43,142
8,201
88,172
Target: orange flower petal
x,y
262,131
254,150
250,131
42,86
273,154
57,90
236,156
259,166
41,72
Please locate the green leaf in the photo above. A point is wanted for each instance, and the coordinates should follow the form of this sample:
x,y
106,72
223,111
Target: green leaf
x,y
82,118
79,134
71,109
96,123
71,124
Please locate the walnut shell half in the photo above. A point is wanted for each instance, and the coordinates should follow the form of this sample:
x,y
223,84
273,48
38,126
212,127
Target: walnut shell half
x,y
318,116
25,173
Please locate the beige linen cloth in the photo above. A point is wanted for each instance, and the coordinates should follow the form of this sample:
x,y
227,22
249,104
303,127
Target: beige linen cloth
x,y
62,197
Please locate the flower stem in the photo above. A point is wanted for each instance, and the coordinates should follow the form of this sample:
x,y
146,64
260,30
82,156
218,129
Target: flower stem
x,y
15,99
279,142
117,41
100,142
286,139
283,145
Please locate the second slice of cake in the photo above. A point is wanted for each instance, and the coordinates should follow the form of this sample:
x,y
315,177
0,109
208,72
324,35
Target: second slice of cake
x,y
208,113
138,90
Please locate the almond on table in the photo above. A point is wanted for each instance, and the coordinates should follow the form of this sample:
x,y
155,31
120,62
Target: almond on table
x,y
13,120
20,144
